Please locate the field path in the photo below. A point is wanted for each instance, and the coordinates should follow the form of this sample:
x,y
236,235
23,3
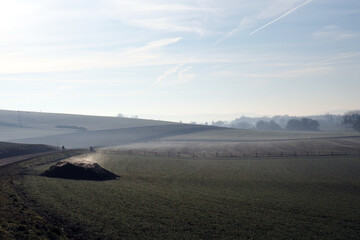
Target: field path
x,y
10,160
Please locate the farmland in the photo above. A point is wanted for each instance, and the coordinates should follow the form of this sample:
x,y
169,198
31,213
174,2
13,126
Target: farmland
x,y
246,198
81,131
18,219
181,181
179,120
208,144
240,135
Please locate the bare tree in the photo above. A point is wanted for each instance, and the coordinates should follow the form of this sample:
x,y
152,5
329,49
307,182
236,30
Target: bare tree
x,y
351,120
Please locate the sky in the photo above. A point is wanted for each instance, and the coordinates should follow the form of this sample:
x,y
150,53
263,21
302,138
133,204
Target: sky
x,y
198,60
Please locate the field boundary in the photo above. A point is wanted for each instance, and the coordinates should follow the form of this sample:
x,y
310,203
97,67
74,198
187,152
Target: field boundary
x,y
230,154
11,160
261,140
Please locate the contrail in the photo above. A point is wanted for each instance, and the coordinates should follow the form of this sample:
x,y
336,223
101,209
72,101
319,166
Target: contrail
x,y
339,57
282,16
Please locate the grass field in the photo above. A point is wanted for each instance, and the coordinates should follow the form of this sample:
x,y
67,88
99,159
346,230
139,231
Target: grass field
x,y
180,198
248,135
18,218
326,146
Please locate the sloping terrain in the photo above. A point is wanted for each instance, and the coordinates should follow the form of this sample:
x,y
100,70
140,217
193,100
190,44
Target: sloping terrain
x,y
12,149
82,131
59,120
74,131
20,125
113,137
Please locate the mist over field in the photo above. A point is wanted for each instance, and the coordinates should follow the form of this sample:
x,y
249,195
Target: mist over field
x,y
130,178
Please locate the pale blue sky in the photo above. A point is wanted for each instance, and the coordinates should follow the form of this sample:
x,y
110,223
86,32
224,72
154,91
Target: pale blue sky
x,y
180,60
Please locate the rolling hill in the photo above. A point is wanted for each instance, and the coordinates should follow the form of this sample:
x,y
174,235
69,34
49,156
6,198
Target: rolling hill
x,y
83,131
78,131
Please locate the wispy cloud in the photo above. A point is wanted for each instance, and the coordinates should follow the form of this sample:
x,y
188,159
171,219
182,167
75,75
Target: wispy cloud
x,y
334,33
184,76
32,62
167,73
175,75
164,16
282,16
244,23
293,70
276,8
335,59
157,44
284,74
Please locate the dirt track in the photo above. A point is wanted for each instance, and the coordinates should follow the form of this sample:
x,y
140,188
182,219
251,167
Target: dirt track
x,y
10,160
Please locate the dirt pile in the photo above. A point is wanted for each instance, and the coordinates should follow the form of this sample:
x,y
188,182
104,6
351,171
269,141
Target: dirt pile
x,y
79,171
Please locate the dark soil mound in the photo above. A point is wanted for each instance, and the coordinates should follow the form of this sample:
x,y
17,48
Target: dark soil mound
x,y
79,171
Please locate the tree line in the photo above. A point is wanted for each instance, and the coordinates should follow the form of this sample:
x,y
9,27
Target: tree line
x,y
348,121
352,120
303,124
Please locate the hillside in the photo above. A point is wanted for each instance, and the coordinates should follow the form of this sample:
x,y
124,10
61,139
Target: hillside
x,y
83,131
112,137
78,131
18,125
14,149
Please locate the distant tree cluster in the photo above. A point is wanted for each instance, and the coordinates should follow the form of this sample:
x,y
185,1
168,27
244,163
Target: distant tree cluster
x,y
271,125
219,124
304,124
352,120
326,121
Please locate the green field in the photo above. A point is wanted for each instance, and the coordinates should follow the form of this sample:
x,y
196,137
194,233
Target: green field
x,y
185,198
18,218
